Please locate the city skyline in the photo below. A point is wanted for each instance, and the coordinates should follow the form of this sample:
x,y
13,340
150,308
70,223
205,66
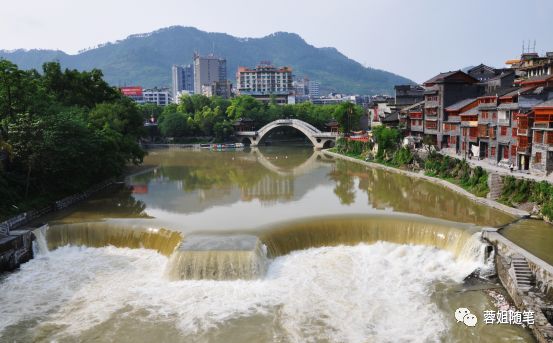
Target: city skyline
x,y
410,39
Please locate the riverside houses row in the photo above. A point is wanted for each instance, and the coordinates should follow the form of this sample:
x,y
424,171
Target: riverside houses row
x,y
501,116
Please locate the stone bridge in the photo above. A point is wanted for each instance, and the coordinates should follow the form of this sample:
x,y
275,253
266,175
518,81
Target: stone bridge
x,y
318,138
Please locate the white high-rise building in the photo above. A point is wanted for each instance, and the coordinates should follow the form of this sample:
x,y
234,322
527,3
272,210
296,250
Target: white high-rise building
x,y
314,89
158,96
264,79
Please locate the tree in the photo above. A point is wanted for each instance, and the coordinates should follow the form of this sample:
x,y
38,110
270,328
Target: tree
x,y
174,125
123,118
388,140
348,116
75,88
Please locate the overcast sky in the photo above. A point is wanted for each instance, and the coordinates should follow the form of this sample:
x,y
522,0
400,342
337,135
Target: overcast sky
x,y
416,39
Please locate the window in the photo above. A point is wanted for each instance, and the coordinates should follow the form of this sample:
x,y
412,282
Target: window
x,y
514,131
538,137
513,150
493,151
504,131
537,157
506,152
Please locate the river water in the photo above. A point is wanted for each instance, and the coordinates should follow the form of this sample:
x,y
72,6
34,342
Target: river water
x,y
278,244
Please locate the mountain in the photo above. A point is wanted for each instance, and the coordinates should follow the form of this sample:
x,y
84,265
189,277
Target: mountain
x,y
146,59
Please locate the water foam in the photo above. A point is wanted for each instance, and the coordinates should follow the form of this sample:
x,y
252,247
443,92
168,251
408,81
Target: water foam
x,y
380,292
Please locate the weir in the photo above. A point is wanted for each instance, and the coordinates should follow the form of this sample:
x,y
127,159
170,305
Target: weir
x,y
218,258
101,234
246,255
461,240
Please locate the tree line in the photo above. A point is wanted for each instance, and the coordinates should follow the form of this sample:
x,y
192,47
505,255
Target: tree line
x,y
60,132
63,130
201,116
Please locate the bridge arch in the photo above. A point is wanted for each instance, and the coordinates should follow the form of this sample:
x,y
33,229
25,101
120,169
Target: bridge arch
x,y
318,138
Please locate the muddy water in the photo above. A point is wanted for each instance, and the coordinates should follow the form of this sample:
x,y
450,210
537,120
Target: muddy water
x,y
353,255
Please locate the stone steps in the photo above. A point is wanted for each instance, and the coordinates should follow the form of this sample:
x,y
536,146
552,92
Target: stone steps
x,y
495,184
524,277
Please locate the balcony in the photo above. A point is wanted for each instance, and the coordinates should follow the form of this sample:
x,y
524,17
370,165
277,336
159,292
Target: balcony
x,y
430,104
417,128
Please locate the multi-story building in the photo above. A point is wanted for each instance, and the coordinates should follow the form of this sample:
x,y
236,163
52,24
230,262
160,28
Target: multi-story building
x,y
218,88
414,119
408,94
135,93
502,116
444,90
542,147
457,126
158,96
182,80
207,70
264,79
314,89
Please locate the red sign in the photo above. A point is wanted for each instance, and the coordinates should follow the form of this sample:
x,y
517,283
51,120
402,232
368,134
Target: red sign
x,y
132,91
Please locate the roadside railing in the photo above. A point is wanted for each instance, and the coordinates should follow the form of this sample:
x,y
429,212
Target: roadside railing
x,y
27,217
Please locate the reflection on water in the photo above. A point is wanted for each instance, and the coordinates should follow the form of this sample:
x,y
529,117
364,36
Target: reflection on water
x,y
382,292
195,191
534,235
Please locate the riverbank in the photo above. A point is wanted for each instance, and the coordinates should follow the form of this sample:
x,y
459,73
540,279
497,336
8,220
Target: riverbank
x,y
16,233
533,289
488,202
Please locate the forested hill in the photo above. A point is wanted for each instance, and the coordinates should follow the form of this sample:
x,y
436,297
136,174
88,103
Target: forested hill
x,y
146,59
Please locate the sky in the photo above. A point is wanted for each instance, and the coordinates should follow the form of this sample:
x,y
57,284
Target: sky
x,y
413,38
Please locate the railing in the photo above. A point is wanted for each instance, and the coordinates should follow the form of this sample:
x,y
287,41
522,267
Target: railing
x,y
25,218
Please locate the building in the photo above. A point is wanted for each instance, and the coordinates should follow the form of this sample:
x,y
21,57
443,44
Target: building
x,y
301,87
207,70
158,96
264,79
218,88
136,93
441,91
314,89
408,94
542,146
182,80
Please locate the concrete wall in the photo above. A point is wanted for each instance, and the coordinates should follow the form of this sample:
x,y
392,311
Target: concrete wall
x,y
525,300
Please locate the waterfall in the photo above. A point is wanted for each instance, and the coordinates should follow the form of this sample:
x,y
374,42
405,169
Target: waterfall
x,y
40,247
218,258
463,241
101,234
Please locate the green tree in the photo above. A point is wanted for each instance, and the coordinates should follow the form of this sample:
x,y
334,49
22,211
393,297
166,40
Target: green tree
x,y
174,125
348,116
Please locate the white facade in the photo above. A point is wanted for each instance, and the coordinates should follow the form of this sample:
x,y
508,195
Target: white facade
x,y
161,97
264,79
314,89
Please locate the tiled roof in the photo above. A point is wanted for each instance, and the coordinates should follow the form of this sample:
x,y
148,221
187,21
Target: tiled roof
x,y
545,104
412,107
392,117
472,112
441,76
537,79
487,106
457,106
508,106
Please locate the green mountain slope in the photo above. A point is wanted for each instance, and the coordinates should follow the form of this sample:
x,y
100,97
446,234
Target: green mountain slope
x,y
146,59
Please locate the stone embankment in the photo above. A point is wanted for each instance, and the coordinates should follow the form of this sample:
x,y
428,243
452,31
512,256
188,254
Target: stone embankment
x,y
16,236
528,280
446,184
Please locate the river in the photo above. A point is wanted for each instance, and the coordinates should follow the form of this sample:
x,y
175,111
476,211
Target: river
x,y
281,244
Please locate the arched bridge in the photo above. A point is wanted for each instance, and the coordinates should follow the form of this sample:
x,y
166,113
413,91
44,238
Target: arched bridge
x,y
318,138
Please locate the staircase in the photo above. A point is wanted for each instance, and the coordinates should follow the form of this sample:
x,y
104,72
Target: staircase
x,y
495,184
523,275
